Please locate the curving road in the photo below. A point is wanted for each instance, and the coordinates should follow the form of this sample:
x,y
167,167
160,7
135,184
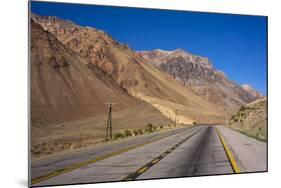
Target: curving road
x,y
189,151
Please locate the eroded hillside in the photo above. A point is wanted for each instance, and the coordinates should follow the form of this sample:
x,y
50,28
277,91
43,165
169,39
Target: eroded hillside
x,y
69,96
132,72
198,74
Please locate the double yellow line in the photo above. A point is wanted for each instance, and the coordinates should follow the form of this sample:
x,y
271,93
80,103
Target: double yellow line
x,y
141,170
144,168
86,163
232,161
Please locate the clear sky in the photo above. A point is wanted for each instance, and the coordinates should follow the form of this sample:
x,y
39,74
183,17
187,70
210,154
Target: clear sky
x,y
235,44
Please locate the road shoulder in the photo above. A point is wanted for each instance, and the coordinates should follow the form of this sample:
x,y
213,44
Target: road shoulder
x,y
251,154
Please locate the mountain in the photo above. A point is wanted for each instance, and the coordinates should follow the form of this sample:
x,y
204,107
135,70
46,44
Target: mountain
x,y
60,78
198,74
252,91
69,96
135,75
251,119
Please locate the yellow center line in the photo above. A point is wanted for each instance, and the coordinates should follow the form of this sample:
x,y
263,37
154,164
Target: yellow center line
x,y
155,161
140,171
233,163
86,163
143,169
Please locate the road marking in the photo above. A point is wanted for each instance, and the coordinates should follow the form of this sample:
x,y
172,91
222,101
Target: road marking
x,y
233,163
143,169
86,163
155,161
163,155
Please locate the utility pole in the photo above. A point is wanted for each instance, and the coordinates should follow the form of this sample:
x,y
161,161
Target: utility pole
x,y
176,117
225,114
109,123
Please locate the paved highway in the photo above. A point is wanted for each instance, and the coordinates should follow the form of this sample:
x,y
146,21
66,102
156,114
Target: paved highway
x,y
189,151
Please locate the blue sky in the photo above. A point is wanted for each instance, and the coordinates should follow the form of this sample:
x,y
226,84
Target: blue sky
x,y
235,44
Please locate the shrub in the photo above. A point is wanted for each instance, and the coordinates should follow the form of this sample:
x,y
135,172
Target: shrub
x,y
140,131
243,108
117,136
149,125
241,114
149,128
194,123
135,132
128,133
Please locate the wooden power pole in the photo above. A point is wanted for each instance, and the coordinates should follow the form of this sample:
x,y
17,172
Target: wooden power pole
x,y
176,117
109,123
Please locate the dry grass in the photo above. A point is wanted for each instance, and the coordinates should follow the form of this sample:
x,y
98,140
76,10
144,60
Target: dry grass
x,y
251,120
91,131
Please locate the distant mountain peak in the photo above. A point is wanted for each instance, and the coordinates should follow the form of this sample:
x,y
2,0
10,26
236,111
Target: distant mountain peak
x,y
160,50
251,90
181,52
246,86
53,19
159,56
178,51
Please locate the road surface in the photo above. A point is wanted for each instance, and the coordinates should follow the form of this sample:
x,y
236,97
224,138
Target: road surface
x,y
189,151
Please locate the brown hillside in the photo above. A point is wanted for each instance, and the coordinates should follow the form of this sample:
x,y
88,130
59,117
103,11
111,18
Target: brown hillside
x,y
68,96
132,72
61,81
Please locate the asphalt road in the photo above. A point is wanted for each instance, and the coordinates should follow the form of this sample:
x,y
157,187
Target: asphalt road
x,y
190,151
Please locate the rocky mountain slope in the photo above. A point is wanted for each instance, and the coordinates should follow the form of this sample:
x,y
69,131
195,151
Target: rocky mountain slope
x,y
132,72
62,80
198,74
251,119
69,96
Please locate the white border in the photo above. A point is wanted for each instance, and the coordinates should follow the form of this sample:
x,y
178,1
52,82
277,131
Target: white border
x,y
13,81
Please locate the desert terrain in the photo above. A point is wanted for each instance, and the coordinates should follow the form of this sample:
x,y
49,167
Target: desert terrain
x,y
77,70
